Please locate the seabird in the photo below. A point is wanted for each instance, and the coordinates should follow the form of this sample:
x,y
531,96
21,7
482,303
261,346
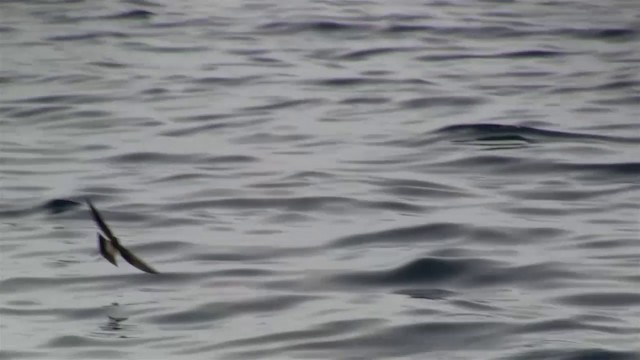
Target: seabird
x,y
110,246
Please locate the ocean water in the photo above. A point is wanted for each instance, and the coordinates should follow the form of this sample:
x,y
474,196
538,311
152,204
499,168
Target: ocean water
x,y
321,179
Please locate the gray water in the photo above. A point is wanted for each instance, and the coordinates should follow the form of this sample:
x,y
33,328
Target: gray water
x,y
324,180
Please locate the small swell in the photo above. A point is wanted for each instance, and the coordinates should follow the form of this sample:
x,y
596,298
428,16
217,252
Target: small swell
x,y
581,354
460,272
57,206
88,36
424,270
368,53
166,158
429,232
426,102
285,104
322,26
131,14
609,299
219,310
311,203
605,34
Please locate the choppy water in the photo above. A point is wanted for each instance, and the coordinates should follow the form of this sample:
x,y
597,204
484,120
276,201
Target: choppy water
x,y
330,180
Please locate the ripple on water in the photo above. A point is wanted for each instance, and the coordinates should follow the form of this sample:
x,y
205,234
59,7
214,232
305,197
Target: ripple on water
x,y
321,180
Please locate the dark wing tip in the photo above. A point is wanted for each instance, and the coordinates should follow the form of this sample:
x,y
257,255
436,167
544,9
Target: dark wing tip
x,y
136,261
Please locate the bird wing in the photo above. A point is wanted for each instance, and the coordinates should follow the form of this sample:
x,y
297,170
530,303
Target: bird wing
x,y
101,223
107,249
134,260
110,244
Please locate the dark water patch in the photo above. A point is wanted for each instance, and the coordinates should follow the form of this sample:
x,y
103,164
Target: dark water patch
x,y
320,26
608,244
226,81
564,194
96,192
437,101
143,3
11,354
251,254
37,111
569,325
156,49
68,79
155,93
459,271
165,158
201,118
9,109
544,274
605,34
103,353
614,86
109,64
365,100
174,222
71,99
424,270
88,36
200,129
408,28
625,100
418,188
43,160
330,329
57,206
447,231
286,104
476,305
89,114
363,81
305,175
428,232
497,139
70,313
280,185
244,273
403,341
270,138
611,169
231,159
528,54
526,133
306,203
173,247
617,85
515,55
130,15
369,53
600,299
220,310
473,32
24,284
66,341
288,218
574,354
512,235
182,177
7,29
524,74
427,293
16,213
